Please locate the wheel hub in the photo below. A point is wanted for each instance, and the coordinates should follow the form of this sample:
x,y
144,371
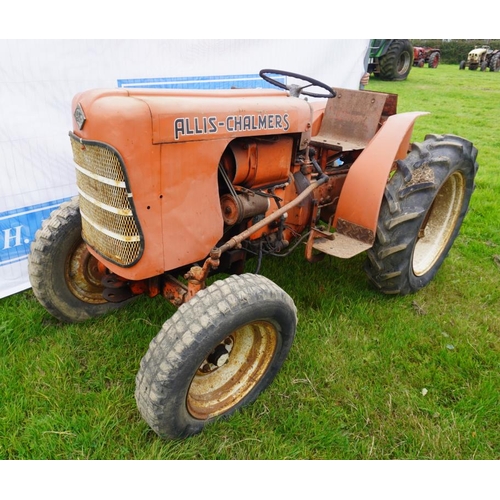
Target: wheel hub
x,y
403,63
218,357
83,276
232,369
439,224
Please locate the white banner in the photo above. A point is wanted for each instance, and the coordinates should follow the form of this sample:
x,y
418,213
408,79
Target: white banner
x,y
38,79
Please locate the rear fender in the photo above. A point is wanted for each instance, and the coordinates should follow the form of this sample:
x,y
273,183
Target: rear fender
x,y
361,197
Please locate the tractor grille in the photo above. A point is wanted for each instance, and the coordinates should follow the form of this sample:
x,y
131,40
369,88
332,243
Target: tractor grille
x,y
109,225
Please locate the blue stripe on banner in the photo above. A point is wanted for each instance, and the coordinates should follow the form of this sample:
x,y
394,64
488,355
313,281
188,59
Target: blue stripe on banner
x,y
200,82
18,228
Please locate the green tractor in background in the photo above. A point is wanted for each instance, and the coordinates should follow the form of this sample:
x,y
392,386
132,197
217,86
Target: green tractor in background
x,y
390,59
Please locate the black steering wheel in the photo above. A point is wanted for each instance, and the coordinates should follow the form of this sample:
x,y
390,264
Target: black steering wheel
x,y
296,90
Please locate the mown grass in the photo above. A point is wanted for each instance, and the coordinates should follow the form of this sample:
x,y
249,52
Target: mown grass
x,y
368,377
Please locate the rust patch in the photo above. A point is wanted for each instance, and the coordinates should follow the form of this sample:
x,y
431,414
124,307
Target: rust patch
x,y
354,231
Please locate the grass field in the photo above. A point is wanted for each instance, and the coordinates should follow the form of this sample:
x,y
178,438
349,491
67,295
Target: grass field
x,y
368,377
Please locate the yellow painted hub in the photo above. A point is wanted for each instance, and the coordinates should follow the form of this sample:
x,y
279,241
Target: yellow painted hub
x,y
439,224
232,369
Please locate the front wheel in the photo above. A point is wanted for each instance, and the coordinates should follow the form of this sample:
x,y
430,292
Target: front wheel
x,y
64,276
424,205
217,353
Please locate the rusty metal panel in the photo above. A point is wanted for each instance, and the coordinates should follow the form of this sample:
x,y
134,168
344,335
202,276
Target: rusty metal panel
x,y
341,246
351,119
355,231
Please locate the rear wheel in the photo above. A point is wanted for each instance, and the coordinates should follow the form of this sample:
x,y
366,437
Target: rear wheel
x,y
216,354
495,62
434,60
424,205
397,62
65,277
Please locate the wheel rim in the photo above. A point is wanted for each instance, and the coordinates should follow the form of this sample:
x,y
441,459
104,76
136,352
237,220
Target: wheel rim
x,y
439,224
403,63
232,369
83,276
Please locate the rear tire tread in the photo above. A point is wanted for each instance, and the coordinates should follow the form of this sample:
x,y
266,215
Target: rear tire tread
x,y
389,263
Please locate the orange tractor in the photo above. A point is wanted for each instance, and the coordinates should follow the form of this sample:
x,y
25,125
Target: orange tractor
x,y
176,186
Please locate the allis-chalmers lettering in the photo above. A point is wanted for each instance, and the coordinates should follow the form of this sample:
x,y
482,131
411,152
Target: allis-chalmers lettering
x,y
233,123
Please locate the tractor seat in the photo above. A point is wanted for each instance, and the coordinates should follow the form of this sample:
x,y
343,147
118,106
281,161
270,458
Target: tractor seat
x,y
352,118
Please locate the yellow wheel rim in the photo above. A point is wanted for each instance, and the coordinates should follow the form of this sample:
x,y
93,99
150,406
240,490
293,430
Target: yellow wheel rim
x,y
439,224
232,369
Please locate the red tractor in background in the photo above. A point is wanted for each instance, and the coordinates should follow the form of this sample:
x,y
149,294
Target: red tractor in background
x,y
426,55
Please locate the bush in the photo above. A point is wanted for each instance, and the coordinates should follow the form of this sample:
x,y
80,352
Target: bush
x,y
454,51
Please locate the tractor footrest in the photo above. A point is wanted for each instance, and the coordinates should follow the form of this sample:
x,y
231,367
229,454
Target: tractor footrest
x,y
341,246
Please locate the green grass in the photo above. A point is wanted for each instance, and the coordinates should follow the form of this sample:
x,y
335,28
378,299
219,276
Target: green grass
x,y
368,377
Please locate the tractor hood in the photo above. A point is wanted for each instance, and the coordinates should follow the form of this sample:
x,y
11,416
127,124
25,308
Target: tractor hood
x,y
476,53
189,115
